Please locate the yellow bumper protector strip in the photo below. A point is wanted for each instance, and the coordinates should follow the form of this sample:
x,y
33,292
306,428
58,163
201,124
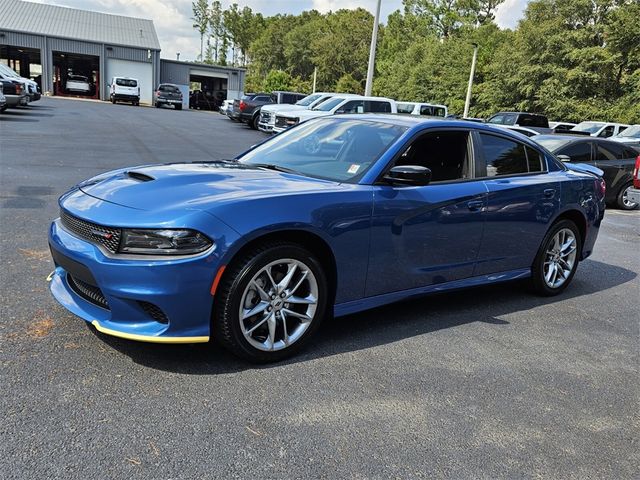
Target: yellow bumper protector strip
x,y
148,338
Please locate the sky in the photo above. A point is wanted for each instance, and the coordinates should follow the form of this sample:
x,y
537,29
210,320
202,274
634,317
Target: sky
x,y
176,34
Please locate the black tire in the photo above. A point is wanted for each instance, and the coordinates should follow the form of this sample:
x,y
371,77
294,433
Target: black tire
x,y
254,122
226,322
113,99
178,107
540,286
157,105
620,203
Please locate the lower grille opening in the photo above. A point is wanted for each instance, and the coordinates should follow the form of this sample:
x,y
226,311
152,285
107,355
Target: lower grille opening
x,y
154,312
90,293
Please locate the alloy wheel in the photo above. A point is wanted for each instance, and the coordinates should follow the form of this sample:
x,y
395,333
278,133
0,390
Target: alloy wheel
x,y
278,305
560,258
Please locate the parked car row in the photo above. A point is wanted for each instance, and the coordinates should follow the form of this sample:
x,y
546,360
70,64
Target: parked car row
x,y
16,90
275,112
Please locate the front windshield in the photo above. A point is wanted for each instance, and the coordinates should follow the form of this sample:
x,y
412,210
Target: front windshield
x,y
308,100
633,131
551,143
328,105
335,149
591,127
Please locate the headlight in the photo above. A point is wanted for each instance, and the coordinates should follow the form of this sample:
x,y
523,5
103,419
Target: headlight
x,y
163,242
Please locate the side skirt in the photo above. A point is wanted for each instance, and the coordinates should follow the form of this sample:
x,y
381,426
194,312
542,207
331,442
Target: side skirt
x,y
355,306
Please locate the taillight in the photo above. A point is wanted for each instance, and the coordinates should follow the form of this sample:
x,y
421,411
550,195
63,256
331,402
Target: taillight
x,y
636,173
242,106
158,93
18,89
601,187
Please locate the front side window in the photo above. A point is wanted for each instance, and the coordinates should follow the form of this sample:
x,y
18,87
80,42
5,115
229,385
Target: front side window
x,y
503,156
329,104
446,154
333,148
354,106
577,152
607,132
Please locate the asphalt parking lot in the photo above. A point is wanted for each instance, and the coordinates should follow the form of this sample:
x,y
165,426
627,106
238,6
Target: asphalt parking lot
x,y
488,383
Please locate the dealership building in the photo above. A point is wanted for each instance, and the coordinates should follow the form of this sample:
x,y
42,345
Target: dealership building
x,y
53,44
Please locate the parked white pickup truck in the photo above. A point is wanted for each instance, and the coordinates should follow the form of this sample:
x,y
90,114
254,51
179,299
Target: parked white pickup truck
x,y
268,112
335,106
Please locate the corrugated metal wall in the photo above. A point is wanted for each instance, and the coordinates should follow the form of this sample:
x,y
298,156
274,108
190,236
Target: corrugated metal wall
x,y
171,72
74,46
22,40
125,53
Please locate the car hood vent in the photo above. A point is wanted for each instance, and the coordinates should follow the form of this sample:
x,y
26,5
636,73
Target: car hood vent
x,y
141,177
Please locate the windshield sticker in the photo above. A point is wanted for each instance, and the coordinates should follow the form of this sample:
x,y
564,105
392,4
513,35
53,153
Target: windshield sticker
x,y
353,169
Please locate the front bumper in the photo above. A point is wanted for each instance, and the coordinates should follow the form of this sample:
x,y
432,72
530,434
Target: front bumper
x,y
633,195
265,127
178,288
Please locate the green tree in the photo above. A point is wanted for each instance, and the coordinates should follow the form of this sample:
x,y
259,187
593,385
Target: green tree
x,y
348,84
200,19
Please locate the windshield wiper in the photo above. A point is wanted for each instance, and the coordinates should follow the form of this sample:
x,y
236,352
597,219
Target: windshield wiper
x,y
222,160
271,166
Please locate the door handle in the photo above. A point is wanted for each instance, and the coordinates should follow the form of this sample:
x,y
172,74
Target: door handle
x,y
475,205
549,192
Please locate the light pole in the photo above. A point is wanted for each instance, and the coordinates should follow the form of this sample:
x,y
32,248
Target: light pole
x,y
372,51
467,102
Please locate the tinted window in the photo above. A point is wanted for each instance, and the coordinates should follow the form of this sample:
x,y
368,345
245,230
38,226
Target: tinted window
x,y
444,153
577,152
262,99
439,112
169,88
621,129
630,153
354,106
375,106
499,119
534,159
533,121
609,152
289,98
126,82
502,156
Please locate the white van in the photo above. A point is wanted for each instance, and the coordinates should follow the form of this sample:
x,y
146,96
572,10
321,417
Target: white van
x,y
124,89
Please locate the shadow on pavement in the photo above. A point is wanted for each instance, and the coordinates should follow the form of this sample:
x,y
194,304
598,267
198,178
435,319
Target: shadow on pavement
x,y
383,325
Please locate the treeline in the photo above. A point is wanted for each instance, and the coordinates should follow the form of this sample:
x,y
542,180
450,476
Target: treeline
x,y
570,59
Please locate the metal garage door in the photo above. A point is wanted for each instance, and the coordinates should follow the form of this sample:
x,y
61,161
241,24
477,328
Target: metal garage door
x,y
139,70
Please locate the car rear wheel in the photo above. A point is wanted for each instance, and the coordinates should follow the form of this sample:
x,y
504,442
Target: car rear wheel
x,y
178,107
270,302
622,200
113,99
557,259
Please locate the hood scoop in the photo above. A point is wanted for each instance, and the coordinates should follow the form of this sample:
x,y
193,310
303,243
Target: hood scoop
x,y
139,176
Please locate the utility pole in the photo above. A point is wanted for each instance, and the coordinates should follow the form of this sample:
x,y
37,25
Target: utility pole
x,y
178,56
467,102
372,51
315,76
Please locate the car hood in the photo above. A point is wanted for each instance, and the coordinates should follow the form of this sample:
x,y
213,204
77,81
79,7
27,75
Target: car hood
x,y
199,186
307,114
279,108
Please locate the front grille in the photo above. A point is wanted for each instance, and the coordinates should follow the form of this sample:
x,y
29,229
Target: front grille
x,y
106,236
154,312
90,293
281,122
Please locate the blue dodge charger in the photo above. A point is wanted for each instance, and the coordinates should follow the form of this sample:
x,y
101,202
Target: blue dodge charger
x,y
334,216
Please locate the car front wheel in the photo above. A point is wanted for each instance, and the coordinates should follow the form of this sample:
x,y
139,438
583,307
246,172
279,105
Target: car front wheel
x,y
557,259
270,302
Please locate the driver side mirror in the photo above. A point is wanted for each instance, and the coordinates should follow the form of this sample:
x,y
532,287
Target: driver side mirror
x,y
409,175
564,158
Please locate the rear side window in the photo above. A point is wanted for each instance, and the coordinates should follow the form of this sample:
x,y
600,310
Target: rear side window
x,y
288,98
261,98
502,156
405,108
578,152
607,132
534,159
375,106
630,153
439,112
533,121
609,152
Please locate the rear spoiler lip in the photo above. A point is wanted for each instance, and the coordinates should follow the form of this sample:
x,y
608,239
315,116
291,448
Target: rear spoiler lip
x,y
584,168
